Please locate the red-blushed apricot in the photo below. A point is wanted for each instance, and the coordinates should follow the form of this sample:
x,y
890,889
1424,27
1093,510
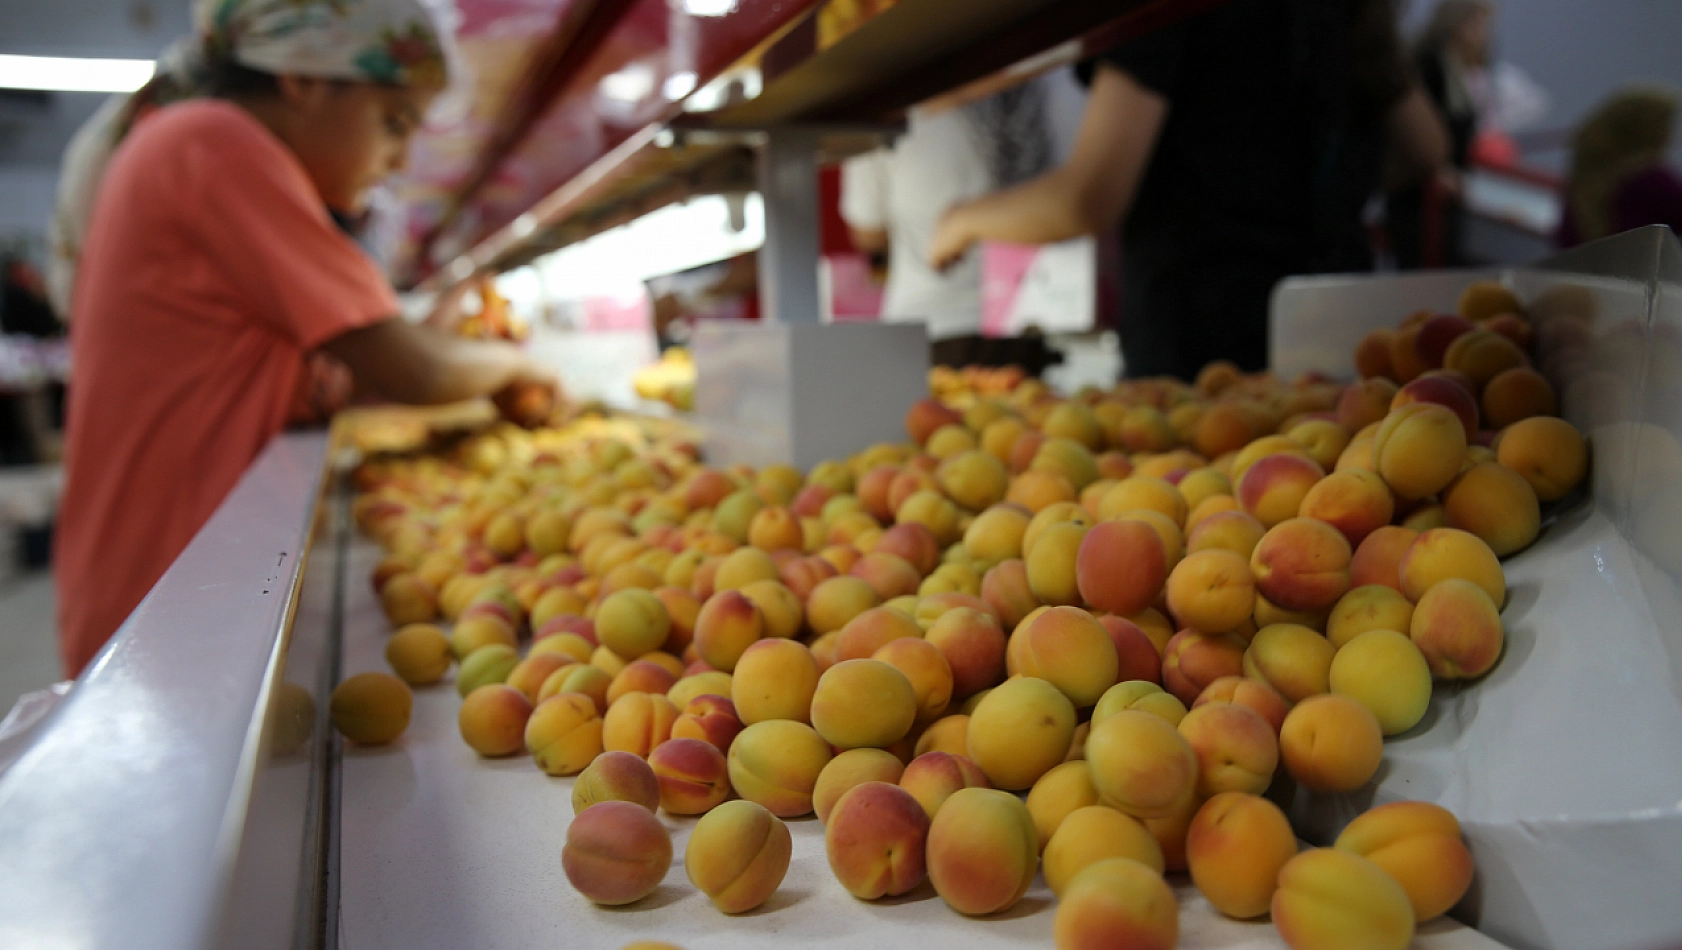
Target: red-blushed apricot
x,y
581,678
643,676
737,855
932,777
1272,488
1208,507
974,647
1436,334
1222,428
616,776
709,717
1005,589
1372,354
1495,503
1293,659
1548,453
1069,649
873,629
699,683
849,769
946,734
778,606
1364,403
836,601
1516,394
1378,560
1143,696
982,851
1233,531
875,840
1458,630
1212,591
926,669
1331,743
1121,566
1140,764
927,415
1356,502
1384,671
1019,731
637,722
1236,846
1236,749
777,763
1333,900
726,626
1058,794
693,775
774,679
1419,845
1302,564
1117,902
1443,553
1442,390
569,645
1137,657
616,853
1194,659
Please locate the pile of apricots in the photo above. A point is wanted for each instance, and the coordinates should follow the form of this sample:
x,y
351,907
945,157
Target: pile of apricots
x,y
1073,636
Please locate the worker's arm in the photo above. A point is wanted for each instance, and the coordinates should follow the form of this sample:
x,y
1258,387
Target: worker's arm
x,y
419,365
1086,194
869,240
1417,140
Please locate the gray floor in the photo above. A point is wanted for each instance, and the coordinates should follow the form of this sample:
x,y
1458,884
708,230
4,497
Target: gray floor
x,y
28,654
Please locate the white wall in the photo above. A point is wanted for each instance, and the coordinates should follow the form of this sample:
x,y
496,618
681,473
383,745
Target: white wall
x,y
26,202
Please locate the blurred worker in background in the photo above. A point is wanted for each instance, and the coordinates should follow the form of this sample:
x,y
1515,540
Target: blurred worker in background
x,y
1235,148
213,263
955,148
1619,179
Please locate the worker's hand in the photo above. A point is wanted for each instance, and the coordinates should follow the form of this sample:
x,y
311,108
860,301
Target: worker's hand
x,y
952,239
446,312
532,396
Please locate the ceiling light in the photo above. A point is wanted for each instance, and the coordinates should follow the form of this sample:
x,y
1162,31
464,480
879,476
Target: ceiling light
x,y
67,74
709,7
678,85
631,84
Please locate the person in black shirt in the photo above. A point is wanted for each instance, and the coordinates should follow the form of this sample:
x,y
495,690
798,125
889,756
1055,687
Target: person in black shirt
x,y
1236,148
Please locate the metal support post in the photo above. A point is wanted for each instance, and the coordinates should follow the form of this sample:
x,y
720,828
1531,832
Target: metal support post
x,y
788,264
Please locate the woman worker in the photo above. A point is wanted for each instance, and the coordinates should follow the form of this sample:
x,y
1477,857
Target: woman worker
x,y
213,264
1235,148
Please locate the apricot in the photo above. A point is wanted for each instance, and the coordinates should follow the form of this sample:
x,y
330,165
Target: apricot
x,y
1516,394
1235,848
708,717
727,625
1058,794
1019,731
777,763
1483,355
1369,607
1234,531
1331,743
1005,590
1364,403
1194,659
925,668
1484,299
1170,831
1443,553
643,676
1121,566
974,479
863,703
1236,749
693,774
1273,487
1548,453
637,722
774,528
564,733
1302,564
743,566
406,599
837,600
1293,659
1222,428
1495,503
779,607
1419,845
616,777
1143,696
696,684
1142,491
1213,505
486,665
983,851
1418,449
1212,591
1137,657
1051,563
774,679
1331,900
571,646
852,768
616,853
419,653
926,416
737,855
608,661
934,511
873,629
1442,389
1068,458
875,840
947,734
912,543
584,679
1117,903
1457,628
371,708
996,534
1323,439
932,777
1356,502
1384,671
1140,764
973,645
1070,650
1096,833
471,633
1378,560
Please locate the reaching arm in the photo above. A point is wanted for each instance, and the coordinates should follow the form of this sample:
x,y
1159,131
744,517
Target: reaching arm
x,y
419,365
1088,193
1417,140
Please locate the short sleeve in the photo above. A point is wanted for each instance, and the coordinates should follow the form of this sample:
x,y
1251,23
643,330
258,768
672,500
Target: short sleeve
x,y
1152,60
864,190
265,227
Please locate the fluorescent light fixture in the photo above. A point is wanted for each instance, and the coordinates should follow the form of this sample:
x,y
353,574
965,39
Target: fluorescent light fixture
x,y
524,225
69,74
709,7
678,85
631,84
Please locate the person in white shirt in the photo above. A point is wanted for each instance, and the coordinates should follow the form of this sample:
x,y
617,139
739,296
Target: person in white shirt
x,y
893,198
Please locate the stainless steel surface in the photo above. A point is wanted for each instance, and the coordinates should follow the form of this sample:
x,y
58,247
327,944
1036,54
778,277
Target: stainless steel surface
x,y
788,263
119,828
1564,763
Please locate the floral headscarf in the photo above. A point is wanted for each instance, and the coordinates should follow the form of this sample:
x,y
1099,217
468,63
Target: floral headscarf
x,y
390,42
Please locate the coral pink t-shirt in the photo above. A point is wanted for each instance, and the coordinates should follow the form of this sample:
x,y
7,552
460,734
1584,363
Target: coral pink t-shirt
x,y
210,269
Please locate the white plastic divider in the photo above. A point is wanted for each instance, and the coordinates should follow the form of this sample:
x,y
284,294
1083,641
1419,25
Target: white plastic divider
x,y
1564,764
